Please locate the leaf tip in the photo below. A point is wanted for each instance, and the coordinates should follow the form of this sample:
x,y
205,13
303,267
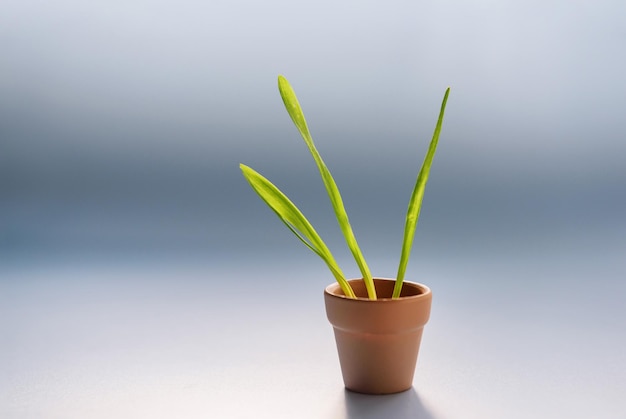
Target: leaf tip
x,y
282,82
246,170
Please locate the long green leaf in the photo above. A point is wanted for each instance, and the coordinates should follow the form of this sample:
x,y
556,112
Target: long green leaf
x,y
415,203
295,221
297,116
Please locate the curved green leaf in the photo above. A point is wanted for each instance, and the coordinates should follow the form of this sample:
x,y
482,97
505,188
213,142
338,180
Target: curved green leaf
x,y
415,203
297,116
295,221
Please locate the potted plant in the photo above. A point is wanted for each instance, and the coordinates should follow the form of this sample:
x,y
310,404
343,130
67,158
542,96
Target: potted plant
x,y
377,322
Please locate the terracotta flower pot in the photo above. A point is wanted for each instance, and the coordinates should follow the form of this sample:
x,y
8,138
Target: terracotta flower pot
x,y
378,341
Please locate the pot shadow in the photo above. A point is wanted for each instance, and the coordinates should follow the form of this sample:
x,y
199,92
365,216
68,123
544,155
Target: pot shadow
x,y
400,405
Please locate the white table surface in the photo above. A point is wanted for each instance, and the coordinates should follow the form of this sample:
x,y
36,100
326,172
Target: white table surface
x,y
543,337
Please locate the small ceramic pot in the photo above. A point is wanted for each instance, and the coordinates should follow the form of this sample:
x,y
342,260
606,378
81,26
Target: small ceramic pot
x,y
378,340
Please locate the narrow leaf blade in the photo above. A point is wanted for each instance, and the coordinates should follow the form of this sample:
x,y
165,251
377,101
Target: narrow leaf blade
x,y
293,218
415,202
297,116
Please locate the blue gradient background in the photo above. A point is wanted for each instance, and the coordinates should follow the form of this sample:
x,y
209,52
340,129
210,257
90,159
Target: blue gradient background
x,y
123,122
122,125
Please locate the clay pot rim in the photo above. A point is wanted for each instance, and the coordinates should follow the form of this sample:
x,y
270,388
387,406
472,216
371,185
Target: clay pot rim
x,y
335,286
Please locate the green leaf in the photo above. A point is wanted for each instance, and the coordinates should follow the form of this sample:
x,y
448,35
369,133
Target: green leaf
x,y
415,203
295,221
297,116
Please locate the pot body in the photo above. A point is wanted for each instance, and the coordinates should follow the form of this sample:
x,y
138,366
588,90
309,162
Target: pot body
x,y
378,340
